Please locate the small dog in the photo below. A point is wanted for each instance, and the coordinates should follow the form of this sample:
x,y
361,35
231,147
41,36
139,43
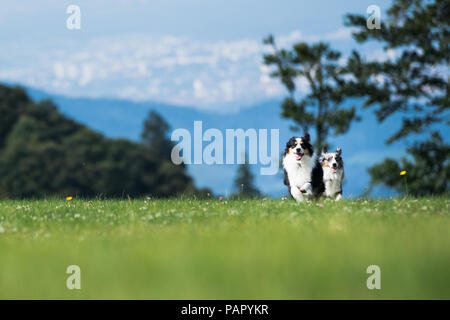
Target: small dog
x,y
333,173
303,174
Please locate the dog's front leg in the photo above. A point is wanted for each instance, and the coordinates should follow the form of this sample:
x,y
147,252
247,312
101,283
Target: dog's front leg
x,y
328,188
306,190
296,194
338,197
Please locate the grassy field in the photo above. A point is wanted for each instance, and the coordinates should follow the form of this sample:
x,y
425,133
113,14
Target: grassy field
x,y
211,249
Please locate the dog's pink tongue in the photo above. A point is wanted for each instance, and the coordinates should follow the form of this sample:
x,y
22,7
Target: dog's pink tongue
x,y
298,156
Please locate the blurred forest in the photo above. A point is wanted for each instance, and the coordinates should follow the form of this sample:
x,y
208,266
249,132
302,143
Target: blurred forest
x,y
44,153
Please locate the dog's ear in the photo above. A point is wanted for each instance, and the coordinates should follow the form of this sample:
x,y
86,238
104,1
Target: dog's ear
x,y
338,151
323,155
306,137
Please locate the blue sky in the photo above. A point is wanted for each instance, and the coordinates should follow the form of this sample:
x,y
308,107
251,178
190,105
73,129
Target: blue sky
x,y
201,53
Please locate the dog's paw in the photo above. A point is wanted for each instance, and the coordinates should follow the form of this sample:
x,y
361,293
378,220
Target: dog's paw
x,y
306,189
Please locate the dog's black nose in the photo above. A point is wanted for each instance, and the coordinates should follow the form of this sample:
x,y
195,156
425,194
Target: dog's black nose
x,y
334,165
298,149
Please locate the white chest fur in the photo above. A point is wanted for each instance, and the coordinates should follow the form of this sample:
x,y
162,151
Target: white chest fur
x,y
299,173
333,181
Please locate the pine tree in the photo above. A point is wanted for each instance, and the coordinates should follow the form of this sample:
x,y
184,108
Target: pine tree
x,y
427,175
244,183
413,82
155,136
316,65
169,178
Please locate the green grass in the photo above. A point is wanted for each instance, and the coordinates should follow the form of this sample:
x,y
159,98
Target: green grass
x,y
199,249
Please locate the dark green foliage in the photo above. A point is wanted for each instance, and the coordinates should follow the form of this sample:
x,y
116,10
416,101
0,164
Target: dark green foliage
x,y
317,65
12,104
169,177
244,183
413,82
416,82
43,153
155,135
428,174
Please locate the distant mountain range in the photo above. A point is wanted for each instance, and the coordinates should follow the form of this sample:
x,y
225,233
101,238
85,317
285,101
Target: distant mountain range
x,y
362,146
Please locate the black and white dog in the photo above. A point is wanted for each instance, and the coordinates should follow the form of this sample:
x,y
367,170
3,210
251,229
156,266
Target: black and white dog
x,y
303,173
333,173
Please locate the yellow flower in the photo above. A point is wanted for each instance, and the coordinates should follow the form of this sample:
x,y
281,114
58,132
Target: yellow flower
x,y
402,173
69,198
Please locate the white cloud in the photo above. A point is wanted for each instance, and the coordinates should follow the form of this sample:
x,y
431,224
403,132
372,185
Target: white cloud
x,y
227,90
199,90
297,35
87,73
381,55
339,34
167,69
58,67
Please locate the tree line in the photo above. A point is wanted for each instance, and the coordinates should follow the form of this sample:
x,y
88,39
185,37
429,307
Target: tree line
x,y
44,153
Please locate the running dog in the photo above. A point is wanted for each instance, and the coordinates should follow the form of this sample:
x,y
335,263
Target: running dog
x,y
333,173
303,174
